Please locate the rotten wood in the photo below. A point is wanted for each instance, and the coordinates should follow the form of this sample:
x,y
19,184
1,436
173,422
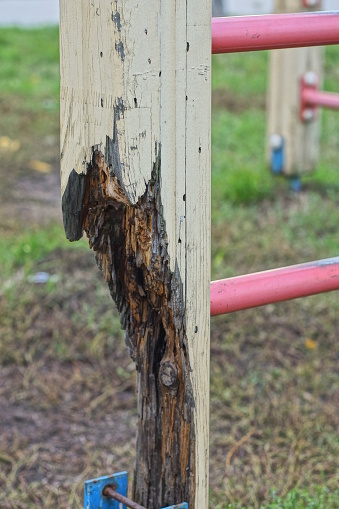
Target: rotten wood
x,y
130,246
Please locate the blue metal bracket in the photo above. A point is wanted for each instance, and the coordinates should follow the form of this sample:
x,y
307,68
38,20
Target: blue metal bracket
x,y
295,184
180,506
93,498
277,148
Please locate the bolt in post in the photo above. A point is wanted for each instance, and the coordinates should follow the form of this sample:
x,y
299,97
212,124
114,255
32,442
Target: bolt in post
x,y
109,492
308,111
307,115
277,153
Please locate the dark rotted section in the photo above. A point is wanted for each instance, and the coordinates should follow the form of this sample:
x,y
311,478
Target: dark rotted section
x,y
130,243
73,204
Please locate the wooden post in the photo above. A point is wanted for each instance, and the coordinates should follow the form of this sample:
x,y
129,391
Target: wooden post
x,y
135,170
286,67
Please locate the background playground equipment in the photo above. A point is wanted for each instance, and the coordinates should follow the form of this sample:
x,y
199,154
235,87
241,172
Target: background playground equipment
x,y
155,257
311,97
293,116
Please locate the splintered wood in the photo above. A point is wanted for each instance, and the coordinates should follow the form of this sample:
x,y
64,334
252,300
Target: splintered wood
x,y
130,246
135,141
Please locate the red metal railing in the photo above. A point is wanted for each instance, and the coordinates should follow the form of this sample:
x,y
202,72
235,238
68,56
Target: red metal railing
x,y
274,31
311,97
318,98
277,285
254,33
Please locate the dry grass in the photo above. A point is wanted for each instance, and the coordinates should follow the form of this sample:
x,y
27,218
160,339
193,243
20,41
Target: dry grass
x,y
66,387
68,404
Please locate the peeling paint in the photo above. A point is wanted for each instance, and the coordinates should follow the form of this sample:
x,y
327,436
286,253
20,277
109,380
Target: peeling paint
x,y
120,49
72,205
116,20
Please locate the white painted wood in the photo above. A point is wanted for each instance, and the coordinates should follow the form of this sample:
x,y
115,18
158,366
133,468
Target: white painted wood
x,y
93,85
286,67
198,226
164,84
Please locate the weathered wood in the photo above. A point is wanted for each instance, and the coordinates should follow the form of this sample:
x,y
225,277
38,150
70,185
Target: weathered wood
x,y
286,67
135,163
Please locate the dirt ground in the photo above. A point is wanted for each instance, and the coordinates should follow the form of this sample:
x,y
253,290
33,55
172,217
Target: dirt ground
x,y
67,384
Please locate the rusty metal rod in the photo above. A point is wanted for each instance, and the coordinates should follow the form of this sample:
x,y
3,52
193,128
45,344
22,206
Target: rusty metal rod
x,y
109,492
271,286
274,31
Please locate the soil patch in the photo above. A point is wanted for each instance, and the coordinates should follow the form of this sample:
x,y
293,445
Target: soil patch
x,y
223,98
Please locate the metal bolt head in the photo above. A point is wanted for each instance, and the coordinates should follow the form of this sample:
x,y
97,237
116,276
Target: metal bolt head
x,y
169,375
310,78
276,141
308,114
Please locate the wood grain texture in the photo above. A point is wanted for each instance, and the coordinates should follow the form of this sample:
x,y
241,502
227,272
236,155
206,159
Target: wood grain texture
x,y
286,67
135,162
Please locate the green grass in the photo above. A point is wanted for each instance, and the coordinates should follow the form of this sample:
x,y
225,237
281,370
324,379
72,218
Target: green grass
x,y
25,250
29,95
239,173
239,169
301,499
243,74
30,67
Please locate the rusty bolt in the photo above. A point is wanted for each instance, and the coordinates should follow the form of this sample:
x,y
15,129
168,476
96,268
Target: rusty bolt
x,y
109,492
169,374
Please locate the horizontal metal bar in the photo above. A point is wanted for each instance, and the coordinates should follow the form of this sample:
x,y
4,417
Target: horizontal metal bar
x,y
274,31
109,492
311,97
277,285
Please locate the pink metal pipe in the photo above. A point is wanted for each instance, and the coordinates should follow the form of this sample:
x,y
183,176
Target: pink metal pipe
x,y
274,31
311,97
277,285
